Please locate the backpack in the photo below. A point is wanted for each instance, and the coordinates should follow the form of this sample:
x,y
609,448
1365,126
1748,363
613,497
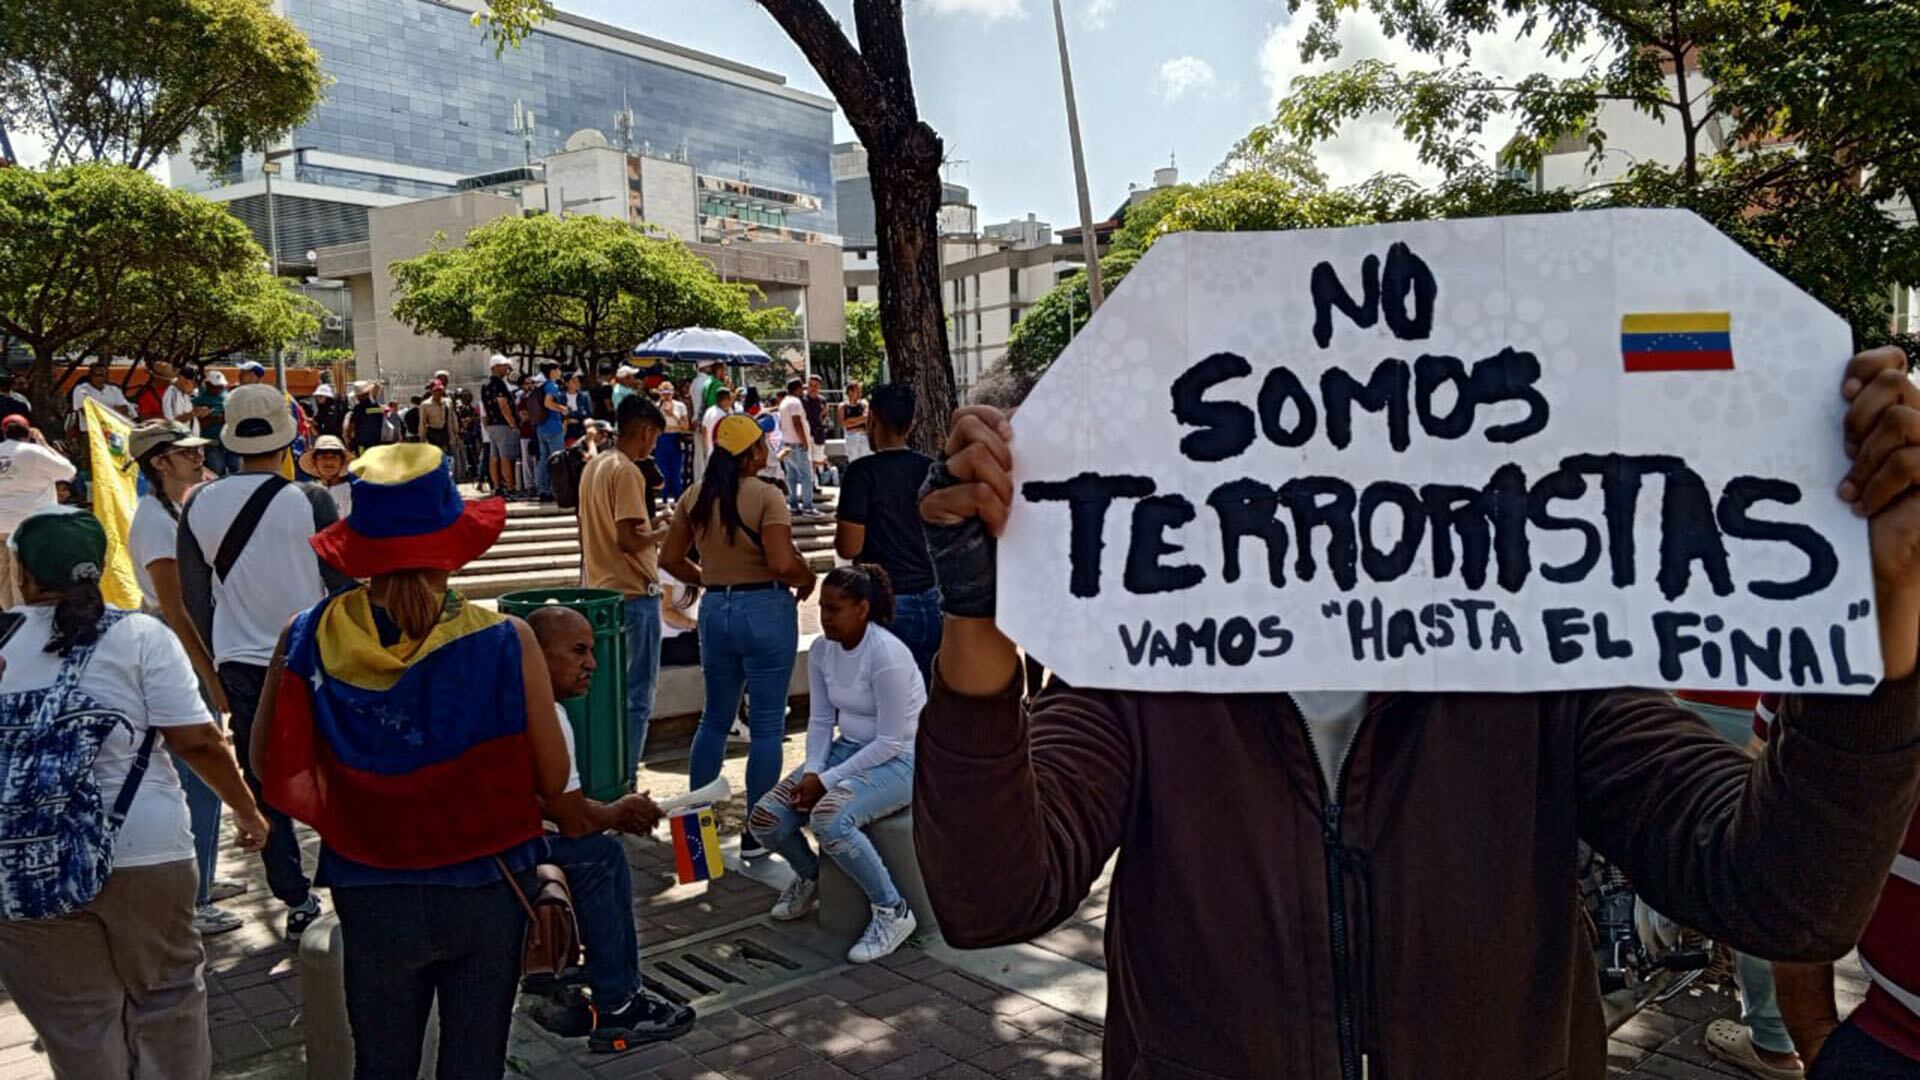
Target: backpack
x,y
56,833
533,407
563,470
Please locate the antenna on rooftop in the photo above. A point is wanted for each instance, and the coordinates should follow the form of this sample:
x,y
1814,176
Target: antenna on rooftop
x,y
623,123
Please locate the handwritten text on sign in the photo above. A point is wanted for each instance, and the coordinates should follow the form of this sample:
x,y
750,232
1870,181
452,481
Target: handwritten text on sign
x,y
1569,451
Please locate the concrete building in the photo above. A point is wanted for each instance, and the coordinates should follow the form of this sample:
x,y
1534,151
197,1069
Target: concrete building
x,y
420,104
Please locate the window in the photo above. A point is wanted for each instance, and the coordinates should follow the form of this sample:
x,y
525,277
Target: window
x,y
1013,282
853,294
1013,317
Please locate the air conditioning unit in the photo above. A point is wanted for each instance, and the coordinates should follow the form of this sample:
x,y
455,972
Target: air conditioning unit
x,y
333,322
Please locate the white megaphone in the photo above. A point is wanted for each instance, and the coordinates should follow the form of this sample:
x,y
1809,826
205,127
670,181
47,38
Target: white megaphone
x,y
716,792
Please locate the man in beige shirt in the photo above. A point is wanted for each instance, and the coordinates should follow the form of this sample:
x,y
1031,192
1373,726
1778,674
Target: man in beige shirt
x,y
620,547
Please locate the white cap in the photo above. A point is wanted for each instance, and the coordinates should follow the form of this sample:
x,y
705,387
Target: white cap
x,y
323,390
499,361
216,378
625,371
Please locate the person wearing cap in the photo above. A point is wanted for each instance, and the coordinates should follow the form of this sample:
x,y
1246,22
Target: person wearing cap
x,y
416,733
251,372
754,579
435,419
30,472
95,387
365,425
626,381
176,404
240,603
210,405
115,989
620,549
149,398
172,461
671,451
549,425
327,461
329,412
502,426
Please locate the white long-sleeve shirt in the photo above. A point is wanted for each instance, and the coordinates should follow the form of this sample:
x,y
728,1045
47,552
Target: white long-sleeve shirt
x,y
872,693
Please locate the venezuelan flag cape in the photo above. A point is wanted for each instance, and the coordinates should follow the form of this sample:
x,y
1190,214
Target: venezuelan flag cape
x,y
405,757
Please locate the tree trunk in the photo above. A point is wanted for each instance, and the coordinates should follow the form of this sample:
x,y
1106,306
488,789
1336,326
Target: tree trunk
x,y
906,206
40,386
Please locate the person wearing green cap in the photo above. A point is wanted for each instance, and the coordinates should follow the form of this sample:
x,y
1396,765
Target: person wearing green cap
x,y
108,972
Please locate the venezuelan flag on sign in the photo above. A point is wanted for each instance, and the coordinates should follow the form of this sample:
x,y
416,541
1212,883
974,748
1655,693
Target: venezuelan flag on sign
x,y
696,846
116,494
407,756
1677,341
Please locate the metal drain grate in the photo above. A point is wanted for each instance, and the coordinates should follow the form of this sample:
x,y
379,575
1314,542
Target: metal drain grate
x,y
732,964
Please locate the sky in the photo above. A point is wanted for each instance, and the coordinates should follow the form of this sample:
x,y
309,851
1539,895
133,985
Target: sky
x,y
1158,81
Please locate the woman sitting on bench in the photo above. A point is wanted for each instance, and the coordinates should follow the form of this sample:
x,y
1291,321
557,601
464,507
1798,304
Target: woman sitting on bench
x,y
866,685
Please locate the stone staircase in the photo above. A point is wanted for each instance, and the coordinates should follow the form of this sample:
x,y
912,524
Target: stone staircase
x,y
540,549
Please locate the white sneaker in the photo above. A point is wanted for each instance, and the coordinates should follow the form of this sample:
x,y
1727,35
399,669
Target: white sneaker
x,y
210,920
888,931
739,733
796,899
225,889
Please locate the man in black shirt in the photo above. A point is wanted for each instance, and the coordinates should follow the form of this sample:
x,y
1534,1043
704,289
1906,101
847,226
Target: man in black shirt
x,y
879,516
329,412
501,426
366,420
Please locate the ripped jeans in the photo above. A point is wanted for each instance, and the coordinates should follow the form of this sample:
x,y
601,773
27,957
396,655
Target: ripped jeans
x,y
838,821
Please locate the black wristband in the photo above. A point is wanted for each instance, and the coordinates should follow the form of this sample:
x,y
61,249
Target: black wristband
x,y
962,555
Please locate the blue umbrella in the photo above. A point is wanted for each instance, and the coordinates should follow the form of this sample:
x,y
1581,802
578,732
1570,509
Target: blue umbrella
x,y
699,345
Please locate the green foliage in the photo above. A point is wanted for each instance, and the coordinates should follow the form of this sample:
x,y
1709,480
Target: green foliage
x,y
865,352
1835,81
1266,149
1256,201
100,260
131,81
576,289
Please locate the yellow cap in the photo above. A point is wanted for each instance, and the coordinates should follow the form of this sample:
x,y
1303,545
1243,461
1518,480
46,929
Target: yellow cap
x,y
736,434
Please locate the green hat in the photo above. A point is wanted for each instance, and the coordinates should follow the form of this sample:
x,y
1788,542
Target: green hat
x,y
60,546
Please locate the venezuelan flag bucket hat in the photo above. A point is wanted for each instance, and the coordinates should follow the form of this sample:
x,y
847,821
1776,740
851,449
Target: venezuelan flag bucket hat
x,y
408,515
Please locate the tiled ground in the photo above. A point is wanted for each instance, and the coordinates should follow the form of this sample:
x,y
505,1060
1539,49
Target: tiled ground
x,y
910,1016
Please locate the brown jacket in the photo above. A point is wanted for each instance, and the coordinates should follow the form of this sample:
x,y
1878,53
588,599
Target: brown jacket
x,y
1455,840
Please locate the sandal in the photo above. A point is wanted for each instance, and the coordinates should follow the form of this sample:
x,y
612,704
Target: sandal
x,y
1730,1041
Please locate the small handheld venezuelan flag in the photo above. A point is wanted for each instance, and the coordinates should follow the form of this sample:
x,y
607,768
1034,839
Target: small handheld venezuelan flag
x,y
696,846
1677,341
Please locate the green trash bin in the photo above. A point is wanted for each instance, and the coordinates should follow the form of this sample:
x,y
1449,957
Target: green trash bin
x,y
599,716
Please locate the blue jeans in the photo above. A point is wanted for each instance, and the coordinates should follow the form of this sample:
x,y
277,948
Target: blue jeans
x,y
203,818
1759,1006
838,821
670,453
747,641
643,673
549,443
916,622
602,887
286,876
799,481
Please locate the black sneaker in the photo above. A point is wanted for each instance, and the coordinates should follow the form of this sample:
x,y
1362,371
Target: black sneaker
x,y
299,918
645,1019
750,847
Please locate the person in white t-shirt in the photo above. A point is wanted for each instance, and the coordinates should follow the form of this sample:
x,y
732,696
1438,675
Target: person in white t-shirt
x,y
866,696
118,986
721,408
30,475
95,387
796,443
625,1015
172,462
177,403
276,575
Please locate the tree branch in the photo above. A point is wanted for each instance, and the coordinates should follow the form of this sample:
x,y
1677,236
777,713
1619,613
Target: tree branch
x,y
837,62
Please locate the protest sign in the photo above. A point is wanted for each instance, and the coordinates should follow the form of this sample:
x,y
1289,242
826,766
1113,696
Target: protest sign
x,y
1508,454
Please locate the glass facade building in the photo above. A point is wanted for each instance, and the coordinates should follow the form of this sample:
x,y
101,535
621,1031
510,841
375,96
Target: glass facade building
x,y
419,99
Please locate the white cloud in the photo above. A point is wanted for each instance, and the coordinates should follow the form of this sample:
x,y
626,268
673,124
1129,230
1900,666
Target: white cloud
x,y
1183,75
1095,13
1373,144
986,9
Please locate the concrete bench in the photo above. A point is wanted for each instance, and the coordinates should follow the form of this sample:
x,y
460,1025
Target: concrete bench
x,y
844,908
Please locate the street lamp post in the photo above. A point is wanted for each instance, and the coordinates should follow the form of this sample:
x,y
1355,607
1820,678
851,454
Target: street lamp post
x,y
270,168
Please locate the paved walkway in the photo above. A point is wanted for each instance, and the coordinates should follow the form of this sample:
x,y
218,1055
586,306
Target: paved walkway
x,y
1026,1011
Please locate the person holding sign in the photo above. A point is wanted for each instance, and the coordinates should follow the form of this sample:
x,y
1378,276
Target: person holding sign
x,y
1413,855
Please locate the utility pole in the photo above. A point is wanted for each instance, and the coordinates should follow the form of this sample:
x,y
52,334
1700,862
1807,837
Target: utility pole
x,y
1089,244
269,168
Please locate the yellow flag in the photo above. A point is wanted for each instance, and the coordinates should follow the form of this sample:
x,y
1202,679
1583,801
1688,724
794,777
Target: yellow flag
x,y
116,492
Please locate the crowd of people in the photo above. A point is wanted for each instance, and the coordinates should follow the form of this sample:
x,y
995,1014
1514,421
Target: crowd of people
x,y
362,697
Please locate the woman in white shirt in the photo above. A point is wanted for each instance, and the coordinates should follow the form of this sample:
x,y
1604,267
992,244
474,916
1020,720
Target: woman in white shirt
x,y
113,987
866,697
172,462
30,479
